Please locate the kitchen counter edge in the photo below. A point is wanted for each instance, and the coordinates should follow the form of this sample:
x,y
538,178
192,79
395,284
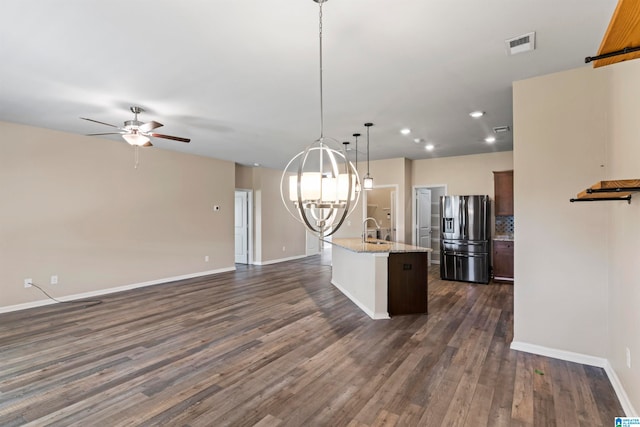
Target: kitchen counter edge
x,y
380,246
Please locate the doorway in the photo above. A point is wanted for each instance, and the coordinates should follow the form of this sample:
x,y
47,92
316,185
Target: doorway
x,y
313,243
381,204
242,226
426,229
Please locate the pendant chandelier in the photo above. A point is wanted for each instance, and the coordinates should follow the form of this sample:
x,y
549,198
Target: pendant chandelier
x,y
321,183
368,179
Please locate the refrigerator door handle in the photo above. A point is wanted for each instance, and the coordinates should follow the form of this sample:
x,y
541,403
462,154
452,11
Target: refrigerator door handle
x,y
460,217
465,232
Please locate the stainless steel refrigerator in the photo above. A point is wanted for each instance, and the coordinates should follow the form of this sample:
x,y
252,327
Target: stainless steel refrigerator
x,y
464,238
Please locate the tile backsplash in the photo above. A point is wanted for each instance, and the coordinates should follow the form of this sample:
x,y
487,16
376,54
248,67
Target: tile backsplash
x,y
504,225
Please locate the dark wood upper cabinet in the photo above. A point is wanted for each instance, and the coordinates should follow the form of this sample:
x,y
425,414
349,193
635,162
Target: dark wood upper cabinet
x,y
503,192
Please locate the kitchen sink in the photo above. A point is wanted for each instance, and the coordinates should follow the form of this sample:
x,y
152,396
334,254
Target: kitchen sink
x,y
377,242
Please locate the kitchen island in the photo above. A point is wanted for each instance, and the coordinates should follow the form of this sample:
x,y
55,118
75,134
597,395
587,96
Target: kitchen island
x,y
382,278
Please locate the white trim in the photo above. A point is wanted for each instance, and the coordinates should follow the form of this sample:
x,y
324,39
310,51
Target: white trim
x,y
249,194
628,408
396,226
569,356
106,291
374,316
414,216
503,279
275,261
584,359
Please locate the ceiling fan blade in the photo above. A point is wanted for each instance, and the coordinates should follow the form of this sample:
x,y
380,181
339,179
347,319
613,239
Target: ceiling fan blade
x,y
174,138
106,133
149,126
148,144
102,123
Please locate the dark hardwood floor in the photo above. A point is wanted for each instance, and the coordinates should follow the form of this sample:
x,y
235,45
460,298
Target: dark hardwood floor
x,y
278,345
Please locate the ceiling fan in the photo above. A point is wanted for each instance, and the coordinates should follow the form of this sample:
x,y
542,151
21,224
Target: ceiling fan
x,y
136,132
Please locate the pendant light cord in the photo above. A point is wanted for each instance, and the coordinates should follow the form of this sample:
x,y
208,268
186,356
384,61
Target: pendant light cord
x,y
368,149
356,135
321,103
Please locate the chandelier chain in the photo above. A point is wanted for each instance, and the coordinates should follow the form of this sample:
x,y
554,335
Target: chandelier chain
x,y
321,100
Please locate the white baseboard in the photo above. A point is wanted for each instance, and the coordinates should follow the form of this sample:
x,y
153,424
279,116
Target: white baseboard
x,y
276,261
583,359
629,410
99,292
370,313
569,356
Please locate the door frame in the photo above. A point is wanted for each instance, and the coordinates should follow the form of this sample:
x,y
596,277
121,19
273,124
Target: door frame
x,y
414,206
393,187
249,194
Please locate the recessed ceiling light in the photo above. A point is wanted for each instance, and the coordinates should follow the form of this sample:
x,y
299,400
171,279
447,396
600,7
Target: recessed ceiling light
x,y
405,131
490,139
476,114
418,140
256,165
429,147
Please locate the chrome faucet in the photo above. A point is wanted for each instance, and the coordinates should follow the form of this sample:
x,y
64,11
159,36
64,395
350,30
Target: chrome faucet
x,y
364,227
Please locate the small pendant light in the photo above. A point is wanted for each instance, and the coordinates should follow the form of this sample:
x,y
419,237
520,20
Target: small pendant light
x,y
367,183
356,135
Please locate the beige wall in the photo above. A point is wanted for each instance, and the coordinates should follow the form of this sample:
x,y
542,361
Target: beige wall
x,y
244,177
385,173
561,247
394,172
75,207
379,205
274,228
576,264
623,157
462,175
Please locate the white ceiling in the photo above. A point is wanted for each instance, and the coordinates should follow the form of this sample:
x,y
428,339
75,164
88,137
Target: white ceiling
x,y
240,77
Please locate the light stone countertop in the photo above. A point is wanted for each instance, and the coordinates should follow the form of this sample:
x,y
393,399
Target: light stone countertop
x,y
355,244
503,237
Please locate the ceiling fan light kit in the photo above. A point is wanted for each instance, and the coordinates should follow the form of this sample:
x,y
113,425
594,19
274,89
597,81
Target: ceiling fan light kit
x,y
135,132
136,139
322,184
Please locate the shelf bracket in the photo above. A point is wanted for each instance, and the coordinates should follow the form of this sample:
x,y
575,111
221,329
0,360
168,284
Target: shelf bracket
x,y
597,199
610,54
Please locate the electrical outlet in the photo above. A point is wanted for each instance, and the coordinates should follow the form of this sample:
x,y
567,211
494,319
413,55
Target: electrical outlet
x,y
28,283
284,248
206,258
54,280
628,358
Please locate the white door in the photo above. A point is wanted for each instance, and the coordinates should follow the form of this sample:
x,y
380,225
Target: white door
x,y
241,228
423,214
313,244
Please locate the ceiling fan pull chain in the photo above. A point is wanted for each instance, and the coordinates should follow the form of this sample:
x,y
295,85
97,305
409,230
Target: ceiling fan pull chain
x,y
136,156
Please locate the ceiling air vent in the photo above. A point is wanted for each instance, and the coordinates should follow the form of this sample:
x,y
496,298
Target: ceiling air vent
x,y
501,129
521,44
